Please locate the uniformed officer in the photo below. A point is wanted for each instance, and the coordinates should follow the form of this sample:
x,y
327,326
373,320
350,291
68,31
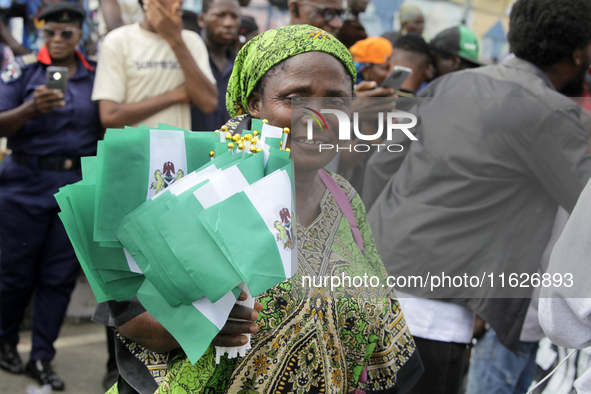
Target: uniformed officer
x,y
48,131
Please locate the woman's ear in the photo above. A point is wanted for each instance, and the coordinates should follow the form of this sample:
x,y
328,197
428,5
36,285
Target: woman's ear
x,y
255,101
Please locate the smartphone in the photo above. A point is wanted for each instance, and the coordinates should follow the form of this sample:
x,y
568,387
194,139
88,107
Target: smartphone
x,y
57,78
397,77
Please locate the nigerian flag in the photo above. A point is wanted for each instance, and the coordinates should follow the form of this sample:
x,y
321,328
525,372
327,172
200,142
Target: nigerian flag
x,y
196,253
265,224
109,270
194,325
136,164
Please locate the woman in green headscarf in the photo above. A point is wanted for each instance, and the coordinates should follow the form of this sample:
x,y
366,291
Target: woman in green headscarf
x,y
307,339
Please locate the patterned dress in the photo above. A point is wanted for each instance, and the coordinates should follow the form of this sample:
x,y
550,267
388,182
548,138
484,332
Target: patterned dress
x,y
312,339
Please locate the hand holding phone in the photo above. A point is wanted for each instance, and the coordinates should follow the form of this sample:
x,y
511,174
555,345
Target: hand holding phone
x,y
397,77
45,100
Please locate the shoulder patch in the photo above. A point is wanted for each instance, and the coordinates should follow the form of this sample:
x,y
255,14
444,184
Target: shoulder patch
x,y
11,72
14,70
26,60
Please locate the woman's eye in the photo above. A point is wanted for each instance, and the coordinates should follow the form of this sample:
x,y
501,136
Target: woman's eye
x,y
297,101
337,103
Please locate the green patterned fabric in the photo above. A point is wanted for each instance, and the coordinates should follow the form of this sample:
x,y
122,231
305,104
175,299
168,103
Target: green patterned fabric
x,y
312,339
272,47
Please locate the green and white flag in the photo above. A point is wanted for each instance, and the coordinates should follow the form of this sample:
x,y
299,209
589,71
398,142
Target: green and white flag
x,y
139,234
188,240
267,219
195,325
157,192
136,164
271,137
106,268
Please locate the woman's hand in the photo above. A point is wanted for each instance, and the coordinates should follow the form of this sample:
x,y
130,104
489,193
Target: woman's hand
x,y
45,100
232,332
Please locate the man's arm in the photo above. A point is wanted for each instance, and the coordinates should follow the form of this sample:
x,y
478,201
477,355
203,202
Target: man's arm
x,y
169,25
111,14
117,115
9,40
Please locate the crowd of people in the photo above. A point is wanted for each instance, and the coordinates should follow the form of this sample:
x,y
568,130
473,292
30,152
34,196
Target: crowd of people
x,y
499,158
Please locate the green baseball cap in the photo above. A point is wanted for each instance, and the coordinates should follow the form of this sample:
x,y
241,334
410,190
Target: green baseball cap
x,y
458,41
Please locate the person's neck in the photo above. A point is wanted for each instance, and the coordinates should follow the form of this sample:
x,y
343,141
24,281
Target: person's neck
x,y
71,63
309,191
218,54
559,74
304,182
147,26
215,49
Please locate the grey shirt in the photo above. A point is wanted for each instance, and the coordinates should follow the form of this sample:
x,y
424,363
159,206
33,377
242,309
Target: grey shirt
x,y
498,149
565,313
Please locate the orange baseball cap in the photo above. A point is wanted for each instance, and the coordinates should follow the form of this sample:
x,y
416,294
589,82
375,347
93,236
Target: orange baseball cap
x,y
371,50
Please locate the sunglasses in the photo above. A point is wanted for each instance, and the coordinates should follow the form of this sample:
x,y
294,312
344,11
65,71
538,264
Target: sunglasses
x,y
66,33
327,13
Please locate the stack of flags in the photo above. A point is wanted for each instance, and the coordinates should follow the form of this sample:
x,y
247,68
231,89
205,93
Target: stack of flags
x,y
185,221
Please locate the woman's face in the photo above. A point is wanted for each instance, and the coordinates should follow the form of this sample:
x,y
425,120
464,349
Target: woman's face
x,y
313,80
61,39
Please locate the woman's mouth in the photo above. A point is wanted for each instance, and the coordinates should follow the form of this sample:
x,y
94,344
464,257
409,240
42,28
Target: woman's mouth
x,y
309,142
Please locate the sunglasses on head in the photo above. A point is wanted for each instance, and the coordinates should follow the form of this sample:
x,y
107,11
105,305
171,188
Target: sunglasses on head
x,y
67,33
327,13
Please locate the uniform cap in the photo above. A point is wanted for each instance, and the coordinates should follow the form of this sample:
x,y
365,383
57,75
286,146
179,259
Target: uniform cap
x,y
63,12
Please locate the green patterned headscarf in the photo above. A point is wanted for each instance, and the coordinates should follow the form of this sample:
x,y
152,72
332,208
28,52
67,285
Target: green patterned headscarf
x,y
272,47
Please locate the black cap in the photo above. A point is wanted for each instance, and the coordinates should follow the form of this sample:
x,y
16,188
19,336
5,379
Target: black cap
x,y
63,12
458,41
247,25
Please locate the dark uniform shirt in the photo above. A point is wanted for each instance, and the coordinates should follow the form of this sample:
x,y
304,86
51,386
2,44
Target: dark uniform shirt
x,y
213,121
498,150
69,131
